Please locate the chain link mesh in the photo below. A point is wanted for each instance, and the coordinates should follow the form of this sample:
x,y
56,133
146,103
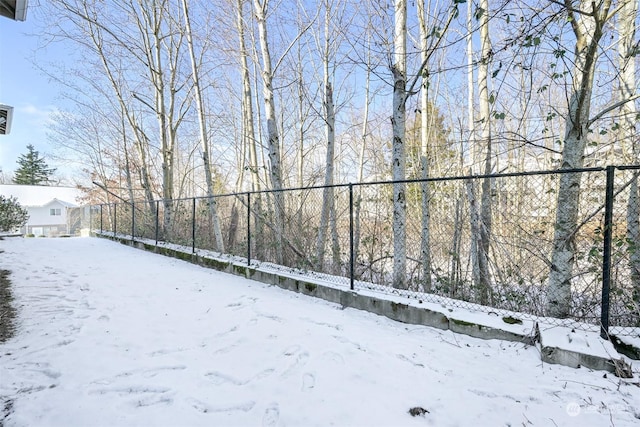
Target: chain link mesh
x,y
308,231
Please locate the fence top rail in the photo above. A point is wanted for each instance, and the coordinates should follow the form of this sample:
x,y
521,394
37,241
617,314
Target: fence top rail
x,y
390,182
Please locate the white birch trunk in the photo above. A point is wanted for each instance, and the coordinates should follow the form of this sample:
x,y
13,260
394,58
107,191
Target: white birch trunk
x,y
473,150
587,29
361,156
127,161
272,129
327,194
484,283
150,27
156,69
629,135
204,140
472,156
302,123
247,101
425,196
248,128
399,70
329,121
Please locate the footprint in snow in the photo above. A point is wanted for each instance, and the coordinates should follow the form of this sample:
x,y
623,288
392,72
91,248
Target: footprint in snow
x,y
271,415
308,381
218,378
234,407
152,401
334,357
299,361
290,351
406,359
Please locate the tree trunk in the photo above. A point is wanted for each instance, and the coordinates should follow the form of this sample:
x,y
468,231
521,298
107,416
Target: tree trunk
x,y
247,101
628,88
301,143
361,156
327,194
204,140
127,160
484,284
272,129
399,70
473,157
157,74
425,196
248,128
140,140
587,29
329,122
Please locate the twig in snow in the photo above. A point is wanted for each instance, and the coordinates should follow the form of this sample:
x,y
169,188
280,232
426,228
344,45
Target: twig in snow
x,y
589,385
457,344
611,418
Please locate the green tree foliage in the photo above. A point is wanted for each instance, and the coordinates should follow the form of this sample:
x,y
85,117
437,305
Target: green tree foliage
x,y
12,215
440,149
32,170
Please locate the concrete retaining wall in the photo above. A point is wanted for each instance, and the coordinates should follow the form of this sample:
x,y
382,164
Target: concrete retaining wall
x,y
385,306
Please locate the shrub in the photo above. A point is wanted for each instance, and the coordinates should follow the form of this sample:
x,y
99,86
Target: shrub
x,y
12,215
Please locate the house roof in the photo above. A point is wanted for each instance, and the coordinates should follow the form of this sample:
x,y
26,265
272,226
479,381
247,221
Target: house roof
x,y
61,202
40,195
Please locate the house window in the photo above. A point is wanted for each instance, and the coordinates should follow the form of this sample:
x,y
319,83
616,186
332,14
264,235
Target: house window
x,y
55,212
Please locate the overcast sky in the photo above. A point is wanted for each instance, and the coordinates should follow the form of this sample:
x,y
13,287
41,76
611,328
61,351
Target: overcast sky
x,y
25,88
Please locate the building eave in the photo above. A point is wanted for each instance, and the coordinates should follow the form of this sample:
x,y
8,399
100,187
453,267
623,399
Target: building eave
x,y
14,9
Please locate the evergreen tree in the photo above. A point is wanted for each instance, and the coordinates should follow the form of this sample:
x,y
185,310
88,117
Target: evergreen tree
x,y
33,170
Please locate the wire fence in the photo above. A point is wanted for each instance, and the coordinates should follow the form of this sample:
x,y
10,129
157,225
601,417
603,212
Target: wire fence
x,y
344,235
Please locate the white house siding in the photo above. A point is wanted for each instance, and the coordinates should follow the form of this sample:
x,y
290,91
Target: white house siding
x,y
41,222
39,200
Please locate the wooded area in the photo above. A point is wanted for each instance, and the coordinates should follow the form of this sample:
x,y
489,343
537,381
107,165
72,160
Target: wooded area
x,y
198,98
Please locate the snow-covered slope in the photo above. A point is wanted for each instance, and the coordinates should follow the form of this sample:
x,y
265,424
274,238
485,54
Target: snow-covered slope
x,y
109,336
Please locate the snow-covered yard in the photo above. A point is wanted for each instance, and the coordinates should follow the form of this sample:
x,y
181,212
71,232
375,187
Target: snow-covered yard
x,y
109,335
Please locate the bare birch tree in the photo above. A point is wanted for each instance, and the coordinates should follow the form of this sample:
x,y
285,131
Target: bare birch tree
x,y
587,20
484,98
104,42
161,48
329,116
273,136
204,137
248,133
425,194
627,51
402,89
398,160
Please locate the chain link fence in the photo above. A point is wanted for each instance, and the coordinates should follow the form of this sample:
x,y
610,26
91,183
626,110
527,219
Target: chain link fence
x,y
344,235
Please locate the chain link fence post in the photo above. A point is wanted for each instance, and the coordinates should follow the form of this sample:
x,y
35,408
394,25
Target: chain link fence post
x,y
157,220
351,243
193,225
249,229
606,253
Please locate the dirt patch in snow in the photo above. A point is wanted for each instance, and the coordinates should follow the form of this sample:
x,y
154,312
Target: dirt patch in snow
x,y
7,316
7,311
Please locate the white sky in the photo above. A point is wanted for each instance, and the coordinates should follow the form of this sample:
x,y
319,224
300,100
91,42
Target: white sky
x,y
110,335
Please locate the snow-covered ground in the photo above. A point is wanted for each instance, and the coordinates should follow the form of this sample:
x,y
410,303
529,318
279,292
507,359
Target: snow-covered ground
x,y
113,336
